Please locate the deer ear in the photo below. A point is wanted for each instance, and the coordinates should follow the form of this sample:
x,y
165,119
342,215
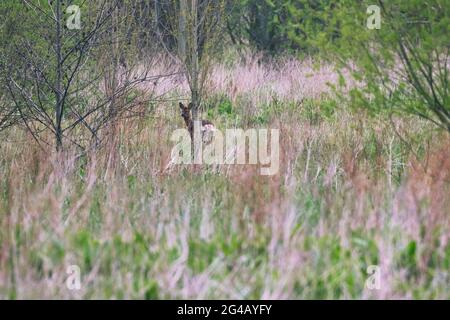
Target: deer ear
x,y
190,106
182,106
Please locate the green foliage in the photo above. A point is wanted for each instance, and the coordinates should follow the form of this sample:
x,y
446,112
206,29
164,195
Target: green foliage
x,y
408,258
225,108
401,67
220,106
277,26
201,255
268,112
318,110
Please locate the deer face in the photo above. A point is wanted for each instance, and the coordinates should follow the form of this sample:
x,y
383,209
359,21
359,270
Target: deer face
x,y
186,111
206,126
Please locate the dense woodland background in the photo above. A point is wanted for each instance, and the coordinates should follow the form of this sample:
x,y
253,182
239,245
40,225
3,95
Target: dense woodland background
x,y
86,115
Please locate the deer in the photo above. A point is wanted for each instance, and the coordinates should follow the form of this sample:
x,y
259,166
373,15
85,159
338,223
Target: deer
x,y
207,130
207,127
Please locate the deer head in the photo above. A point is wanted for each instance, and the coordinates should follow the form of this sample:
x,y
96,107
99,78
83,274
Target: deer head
x,y
186,113
206,126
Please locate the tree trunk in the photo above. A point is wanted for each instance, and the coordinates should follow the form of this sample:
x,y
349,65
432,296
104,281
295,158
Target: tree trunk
x,y
195,97
182,30
58,87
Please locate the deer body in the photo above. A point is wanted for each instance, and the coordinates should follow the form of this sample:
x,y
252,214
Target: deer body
x,y
207,127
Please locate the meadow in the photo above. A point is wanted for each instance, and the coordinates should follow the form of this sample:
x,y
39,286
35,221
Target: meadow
x,y
353,190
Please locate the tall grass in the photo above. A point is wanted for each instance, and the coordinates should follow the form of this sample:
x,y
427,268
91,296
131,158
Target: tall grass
x,y
352,191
